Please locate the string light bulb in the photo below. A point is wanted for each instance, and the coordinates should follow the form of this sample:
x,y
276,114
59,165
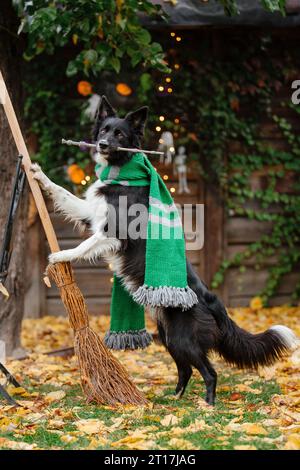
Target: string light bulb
x,y
176,66
168,79
160,88
158,128
87,178
170,90
165,177
172,190
83,182
178,38
176,120
172,34
161,141
161,118
172,149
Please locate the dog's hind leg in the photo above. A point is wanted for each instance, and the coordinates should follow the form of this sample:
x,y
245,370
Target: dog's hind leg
x,y
184,375
209,376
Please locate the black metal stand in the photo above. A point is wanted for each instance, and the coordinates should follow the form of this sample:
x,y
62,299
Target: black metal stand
x,y
10,379
5,255
6,249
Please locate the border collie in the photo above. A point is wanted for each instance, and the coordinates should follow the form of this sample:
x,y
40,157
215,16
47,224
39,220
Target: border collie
x,y
188,335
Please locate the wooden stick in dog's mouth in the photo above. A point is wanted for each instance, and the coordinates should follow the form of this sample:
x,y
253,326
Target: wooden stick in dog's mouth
x,y
119,149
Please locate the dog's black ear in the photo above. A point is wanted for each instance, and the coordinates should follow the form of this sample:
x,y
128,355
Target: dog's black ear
x,y
105,110
137,120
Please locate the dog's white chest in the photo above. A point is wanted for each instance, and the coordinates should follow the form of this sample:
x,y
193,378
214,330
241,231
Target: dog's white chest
x,y
98,207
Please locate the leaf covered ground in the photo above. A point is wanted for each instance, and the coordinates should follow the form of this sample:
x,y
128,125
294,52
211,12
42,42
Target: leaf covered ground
x,y
253,410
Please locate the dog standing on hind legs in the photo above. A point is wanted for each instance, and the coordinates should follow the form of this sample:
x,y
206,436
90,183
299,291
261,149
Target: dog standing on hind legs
x,y
189,334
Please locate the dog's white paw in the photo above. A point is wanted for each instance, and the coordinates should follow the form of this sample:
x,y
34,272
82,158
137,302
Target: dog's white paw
x,y
38,175
59,257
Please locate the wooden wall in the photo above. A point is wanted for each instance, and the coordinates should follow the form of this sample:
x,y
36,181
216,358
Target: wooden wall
x,y
239,232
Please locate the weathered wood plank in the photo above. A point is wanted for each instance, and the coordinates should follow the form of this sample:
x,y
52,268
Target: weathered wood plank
x,y
96,306
241,230
233,250
34,302
215,237
245,301
92,282
250,282
63,229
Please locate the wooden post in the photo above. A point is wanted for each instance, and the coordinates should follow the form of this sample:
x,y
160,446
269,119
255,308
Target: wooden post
x,y
22,149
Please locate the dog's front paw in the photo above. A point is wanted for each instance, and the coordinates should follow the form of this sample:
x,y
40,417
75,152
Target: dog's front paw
x,y
38,175
59,257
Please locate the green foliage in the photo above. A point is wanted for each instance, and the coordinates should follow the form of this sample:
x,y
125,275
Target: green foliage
x,y
281,209
104,33
231,7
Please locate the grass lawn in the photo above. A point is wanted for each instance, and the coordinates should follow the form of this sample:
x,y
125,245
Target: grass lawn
x,y
254,410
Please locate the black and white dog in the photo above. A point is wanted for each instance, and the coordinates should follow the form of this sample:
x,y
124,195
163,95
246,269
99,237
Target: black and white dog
x,y
188,335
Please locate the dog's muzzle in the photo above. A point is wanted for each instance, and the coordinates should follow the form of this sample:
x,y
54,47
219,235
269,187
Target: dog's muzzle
x,y
102,146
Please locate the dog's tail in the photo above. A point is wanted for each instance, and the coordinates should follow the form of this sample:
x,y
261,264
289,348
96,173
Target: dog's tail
x,y
244,349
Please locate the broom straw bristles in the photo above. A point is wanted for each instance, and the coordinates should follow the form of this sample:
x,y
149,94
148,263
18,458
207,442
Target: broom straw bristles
x,y
103,379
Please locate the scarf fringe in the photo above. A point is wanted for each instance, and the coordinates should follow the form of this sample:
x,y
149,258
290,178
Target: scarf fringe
x,y
122,340
165,296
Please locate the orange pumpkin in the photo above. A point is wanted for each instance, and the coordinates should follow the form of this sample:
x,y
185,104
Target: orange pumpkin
x,y
84,88
75,173
123,89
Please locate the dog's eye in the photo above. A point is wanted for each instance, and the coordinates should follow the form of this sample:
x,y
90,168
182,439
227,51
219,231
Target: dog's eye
x,y
118,134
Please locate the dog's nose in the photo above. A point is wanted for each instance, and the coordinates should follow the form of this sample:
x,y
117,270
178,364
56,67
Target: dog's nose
x,y
103,144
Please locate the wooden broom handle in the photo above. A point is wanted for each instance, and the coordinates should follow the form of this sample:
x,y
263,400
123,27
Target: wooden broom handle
x,y
22,149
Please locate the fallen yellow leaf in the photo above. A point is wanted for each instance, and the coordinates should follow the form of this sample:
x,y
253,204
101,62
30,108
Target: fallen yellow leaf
x,y
248,428
293,442
169,420
137,440
16,445
96,442
181,444
67,438
55,396
17,391
90,426
198,425
256,303
55,424
246,388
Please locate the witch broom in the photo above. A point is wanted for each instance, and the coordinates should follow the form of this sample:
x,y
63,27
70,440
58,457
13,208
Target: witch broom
x,y
103,379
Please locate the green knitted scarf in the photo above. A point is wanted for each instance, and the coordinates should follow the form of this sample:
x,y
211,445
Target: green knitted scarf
x,y
165,280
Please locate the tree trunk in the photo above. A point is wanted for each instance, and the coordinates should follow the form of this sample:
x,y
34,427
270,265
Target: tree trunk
x,y
11,310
